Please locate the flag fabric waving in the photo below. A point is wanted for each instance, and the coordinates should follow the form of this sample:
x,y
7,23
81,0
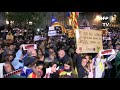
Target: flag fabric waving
x,y
73,16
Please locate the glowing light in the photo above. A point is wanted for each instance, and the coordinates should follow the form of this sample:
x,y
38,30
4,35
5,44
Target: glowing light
x,y
7,22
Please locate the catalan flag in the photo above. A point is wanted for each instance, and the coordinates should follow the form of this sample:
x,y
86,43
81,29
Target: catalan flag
x,y
28,73
73,16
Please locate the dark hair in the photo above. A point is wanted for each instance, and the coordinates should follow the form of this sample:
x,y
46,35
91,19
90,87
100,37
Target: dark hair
x,y
69,62
51,48
50,64
83,57
39,63
7,57
40,50
7,62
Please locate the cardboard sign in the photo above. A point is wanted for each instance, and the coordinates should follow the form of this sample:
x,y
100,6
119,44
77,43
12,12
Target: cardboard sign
x,y
89,41
107,52
106,38
51,28
52,33
27,46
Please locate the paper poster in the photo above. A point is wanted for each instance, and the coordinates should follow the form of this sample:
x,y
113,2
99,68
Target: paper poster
x,y
51,28
27,46
37,38
52,33
106,38
89,41
107,52
1,70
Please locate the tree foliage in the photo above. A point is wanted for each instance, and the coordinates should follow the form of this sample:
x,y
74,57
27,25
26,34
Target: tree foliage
x,y
25,17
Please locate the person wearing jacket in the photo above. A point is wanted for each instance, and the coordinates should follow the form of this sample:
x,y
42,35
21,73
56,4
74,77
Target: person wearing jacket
x,y
16,62
63,57
82,70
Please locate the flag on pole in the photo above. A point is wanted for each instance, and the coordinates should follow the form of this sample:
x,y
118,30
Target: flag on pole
x,y
73,16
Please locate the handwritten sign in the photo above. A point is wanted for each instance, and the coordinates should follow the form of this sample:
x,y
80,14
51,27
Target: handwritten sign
x,y
89,41
107,52
27,46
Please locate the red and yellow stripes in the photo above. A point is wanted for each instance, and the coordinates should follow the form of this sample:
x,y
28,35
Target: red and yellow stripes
x,y
74,16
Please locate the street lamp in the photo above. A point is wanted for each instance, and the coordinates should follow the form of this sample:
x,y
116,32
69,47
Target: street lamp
x,y
7,22
97,19
38,30
30,23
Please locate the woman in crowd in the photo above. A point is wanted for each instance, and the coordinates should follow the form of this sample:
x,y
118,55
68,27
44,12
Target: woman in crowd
x,y
9,71
40,55
51,71
82,70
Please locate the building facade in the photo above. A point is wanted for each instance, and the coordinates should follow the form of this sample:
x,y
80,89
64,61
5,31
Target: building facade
x,y
59,16
2,19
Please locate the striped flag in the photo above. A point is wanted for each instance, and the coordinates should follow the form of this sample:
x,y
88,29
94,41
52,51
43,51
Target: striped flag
x,y
74,16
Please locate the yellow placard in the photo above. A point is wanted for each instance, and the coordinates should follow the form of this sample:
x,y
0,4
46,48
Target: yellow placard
x,y
89,41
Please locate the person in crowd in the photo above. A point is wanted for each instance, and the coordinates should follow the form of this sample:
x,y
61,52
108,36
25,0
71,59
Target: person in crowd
x,y
1,53
51,71
9,50
89,68
9,71
77,59
17,64
31,52
29,70
82,70
51,58
40,55
40,68
63,57
68,71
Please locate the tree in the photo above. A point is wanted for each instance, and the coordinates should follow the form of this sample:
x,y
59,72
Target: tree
x,y
23,18
118,17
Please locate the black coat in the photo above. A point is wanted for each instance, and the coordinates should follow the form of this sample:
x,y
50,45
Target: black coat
x,y
64,59
77,62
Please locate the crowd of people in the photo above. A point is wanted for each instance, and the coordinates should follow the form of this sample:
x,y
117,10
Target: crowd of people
x,y
58,57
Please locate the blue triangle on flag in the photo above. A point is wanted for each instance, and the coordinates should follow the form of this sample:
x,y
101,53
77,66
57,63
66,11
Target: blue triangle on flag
x,y
53,20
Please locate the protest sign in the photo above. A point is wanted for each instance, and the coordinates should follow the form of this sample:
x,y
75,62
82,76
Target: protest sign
x,y
52,33
106,38
51,28
27,46
1,70
37,38
89,41
107,52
